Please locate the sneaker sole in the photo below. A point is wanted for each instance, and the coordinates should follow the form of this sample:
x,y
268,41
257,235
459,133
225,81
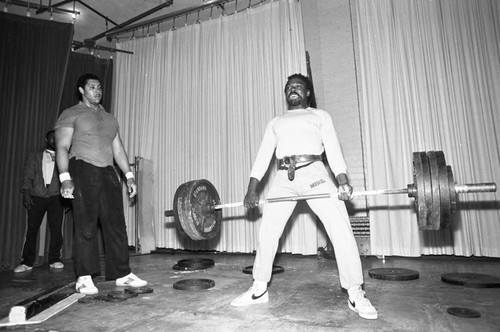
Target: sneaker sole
x,y
258,301
131,285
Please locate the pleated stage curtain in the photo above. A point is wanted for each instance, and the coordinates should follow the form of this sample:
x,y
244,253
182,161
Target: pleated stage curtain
x,y
33,59
430,77
196,101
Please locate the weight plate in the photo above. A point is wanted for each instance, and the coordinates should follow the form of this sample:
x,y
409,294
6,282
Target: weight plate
x,y
453,193
207,262
472,280
434,221
139,290
421,178
178,209
121,295
397,274
276,269
445,191
194,284
193,203
463,312
92,298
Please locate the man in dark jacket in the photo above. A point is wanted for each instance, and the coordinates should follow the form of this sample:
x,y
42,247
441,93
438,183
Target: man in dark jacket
x,y
41,194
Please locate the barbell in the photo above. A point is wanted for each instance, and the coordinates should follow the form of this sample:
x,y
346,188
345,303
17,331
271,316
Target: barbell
x,y
197,208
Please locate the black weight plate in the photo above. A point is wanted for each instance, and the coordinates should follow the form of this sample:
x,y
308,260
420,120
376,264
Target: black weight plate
x,y
453,193
434,222
463,312
203,262
189,268
472,280
194,284
397,274
139,290
121,295
92,298
276,269
445,190
178,209
115,299
421,181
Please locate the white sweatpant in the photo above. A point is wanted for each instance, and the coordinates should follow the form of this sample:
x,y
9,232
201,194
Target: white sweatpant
x,y
332,212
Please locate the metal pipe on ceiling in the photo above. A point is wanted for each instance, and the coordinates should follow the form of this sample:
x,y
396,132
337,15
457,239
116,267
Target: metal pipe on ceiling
x,y
172,16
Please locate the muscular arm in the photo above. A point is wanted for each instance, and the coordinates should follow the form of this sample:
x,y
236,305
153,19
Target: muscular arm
x,y
64,137
121,159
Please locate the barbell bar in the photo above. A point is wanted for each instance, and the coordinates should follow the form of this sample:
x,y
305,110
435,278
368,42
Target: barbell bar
x,y
198,211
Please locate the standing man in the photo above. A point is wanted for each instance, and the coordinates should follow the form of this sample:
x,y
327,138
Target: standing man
x,y
299,137
87,141
41,195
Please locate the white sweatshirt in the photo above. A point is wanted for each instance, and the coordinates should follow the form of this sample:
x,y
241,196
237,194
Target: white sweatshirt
x,y
297,132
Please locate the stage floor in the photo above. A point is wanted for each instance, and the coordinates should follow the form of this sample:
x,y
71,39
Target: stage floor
x,y
306,297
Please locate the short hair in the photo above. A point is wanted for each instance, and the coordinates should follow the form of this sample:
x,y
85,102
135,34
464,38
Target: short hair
x,y
82,81
47,134
305,79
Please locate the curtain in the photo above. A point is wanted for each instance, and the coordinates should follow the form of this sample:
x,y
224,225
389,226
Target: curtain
x,y
196,101
33,58
430,76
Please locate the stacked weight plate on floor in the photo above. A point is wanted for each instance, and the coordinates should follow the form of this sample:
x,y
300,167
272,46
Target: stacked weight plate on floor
x,y
195,218
435,197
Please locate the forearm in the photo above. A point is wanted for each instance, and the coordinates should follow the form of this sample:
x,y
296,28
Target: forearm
x,y
121,160
252,185
342,179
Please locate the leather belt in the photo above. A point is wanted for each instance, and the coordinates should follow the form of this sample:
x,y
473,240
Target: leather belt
x,y
290,163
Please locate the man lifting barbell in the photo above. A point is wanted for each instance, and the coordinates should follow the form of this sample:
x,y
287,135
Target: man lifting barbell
x,y
299,137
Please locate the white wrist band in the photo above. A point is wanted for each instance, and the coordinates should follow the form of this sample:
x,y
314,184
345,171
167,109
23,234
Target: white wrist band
x,y
64,176
129,175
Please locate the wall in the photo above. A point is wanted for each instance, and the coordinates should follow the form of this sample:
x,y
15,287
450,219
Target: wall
x,y
329,32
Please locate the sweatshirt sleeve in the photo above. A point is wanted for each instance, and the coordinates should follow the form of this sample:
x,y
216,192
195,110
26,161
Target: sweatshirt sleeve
x,y
332,145
266,151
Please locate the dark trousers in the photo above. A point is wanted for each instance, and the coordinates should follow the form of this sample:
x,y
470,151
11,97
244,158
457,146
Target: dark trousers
x,y
55,212
98,198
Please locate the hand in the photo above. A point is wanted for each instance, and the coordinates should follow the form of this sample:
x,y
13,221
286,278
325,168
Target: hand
x,y
132,187
27,201
345,192
251,199
67,188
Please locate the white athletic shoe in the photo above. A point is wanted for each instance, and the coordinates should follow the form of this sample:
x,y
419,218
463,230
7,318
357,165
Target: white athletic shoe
x,y
249,298
85,285
131,280
23,268
360,304
57,265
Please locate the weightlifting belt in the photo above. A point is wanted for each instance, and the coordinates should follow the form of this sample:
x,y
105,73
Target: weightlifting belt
x,y
290,163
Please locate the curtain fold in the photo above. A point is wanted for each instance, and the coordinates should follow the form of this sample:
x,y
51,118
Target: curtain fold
x,y
33,60
196,101
430,76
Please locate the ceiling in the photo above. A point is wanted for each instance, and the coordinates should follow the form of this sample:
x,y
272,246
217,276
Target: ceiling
x,y
96,19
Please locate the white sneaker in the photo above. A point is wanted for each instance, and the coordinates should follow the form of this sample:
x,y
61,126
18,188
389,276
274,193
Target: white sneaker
x,y
23,268
360,304
85,285
249,298
131,280
57,265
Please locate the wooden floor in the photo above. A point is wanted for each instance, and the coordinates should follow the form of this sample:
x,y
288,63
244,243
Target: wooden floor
x,y
306,297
